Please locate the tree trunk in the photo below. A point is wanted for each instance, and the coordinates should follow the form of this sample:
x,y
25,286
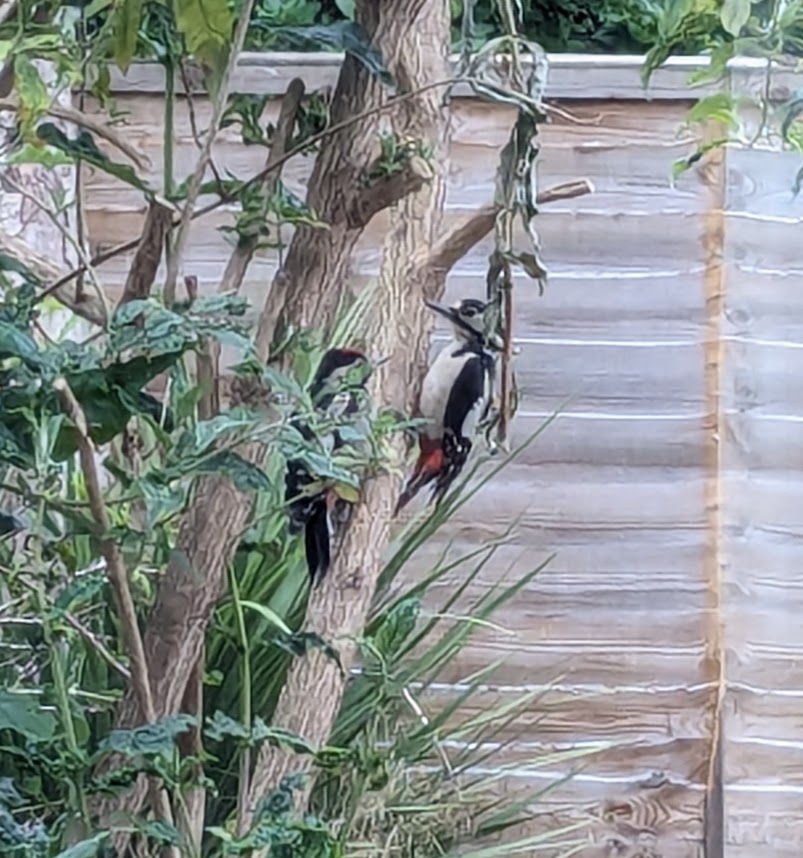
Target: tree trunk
x,y
318,256
414,38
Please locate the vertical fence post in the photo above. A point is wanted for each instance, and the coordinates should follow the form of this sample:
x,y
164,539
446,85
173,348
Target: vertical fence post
x,y
714,176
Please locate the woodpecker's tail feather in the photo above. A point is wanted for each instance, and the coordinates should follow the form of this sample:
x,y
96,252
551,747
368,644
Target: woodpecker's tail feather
x,y
430,463
455,455
317,541
441,461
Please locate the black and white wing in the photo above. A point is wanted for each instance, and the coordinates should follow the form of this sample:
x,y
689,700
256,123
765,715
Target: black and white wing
x,y
470,396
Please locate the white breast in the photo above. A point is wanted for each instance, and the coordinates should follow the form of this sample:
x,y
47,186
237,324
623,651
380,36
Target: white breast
x,y
437,386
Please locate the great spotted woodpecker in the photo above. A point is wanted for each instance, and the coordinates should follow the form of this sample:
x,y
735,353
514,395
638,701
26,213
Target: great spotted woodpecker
x,y
455,397
333,390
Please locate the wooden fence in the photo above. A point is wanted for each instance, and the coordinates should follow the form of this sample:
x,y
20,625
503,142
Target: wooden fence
x,y
669,487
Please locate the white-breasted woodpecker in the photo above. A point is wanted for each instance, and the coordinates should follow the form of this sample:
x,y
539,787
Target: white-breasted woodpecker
x,y
333,390
455,396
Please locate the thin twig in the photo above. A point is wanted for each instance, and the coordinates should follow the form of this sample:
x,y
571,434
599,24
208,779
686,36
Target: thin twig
x,y
84,120
119,581
113,252
282,136
98,646
53,217
194,190
44,269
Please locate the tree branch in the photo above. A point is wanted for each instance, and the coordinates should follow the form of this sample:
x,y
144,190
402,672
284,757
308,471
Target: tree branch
x,y
454,244
280,144
97,127
218,108
331,131
87,306
52,212
387,191
115,568
146,260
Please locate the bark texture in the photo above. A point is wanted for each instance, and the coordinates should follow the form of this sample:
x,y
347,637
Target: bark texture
x,y
413,38
193,583
321,256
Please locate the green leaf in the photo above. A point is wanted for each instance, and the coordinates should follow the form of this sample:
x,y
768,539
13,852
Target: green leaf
x,y
30,154
207,29
150,740
220,726
126,29
719,106
159,831
397,626
792,110
24,713
347,493
19,344
162,501
247,476
347,8
273,618
84,148
30,87
734,15
86,848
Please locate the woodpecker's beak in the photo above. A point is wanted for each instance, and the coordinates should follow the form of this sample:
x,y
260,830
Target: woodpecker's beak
x,y
449,312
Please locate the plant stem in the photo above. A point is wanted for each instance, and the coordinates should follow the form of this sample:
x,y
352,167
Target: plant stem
x,y
218,109
244,785
59,677
168,153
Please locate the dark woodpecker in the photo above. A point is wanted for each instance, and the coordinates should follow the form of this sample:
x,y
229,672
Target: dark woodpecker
x,y
333,391
455,396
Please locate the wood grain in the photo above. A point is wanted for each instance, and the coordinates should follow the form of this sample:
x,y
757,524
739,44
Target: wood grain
x,y
621,621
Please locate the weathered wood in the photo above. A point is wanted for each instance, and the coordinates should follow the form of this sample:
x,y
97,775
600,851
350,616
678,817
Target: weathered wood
x,y
571,76
620,485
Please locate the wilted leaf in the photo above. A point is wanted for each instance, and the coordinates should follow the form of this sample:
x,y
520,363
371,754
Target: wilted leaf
x,y
83,147
299,643
24,713
734,15
220,726
279,737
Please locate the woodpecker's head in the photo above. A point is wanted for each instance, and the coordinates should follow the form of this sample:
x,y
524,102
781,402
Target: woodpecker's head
x,y
468,318
339,370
